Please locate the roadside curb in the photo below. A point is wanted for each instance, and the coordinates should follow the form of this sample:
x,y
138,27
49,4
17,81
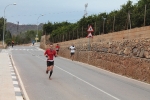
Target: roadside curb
x,y
22,91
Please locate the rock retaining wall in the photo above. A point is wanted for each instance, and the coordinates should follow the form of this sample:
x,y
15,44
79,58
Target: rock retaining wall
x,y
121,61
126,53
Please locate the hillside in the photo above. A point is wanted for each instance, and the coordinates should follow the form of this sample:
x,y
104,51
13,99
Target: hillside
x,y
125,52
16,29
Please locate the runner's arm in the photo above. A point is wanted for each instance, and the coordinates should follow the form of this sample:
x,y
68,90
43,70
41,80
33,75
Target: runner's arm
x,y
45,54
55,54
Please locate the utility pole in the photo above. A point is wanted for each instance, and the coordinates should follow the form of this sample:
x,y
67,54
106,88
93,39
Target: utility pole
x,y
103,23
77,34
82,31
17,26
114,24
85,11
95,29
37,28
129,20
99,28
145,15
73,35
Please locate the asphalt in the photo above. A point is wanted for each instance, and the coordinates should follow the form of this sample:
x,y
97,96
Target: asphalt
x,y
10,88
9,84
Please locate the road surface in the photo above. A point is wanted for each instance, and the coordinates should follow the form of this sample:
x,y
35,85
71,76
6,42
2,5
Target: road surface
x,y
72,80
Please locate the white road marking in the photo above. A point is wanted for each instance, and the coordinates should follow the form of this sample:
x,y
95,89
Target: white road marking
x,y
93,85
12,73
17,89
19,98
14,77
26,49
21,83
15,82
85,64
87,83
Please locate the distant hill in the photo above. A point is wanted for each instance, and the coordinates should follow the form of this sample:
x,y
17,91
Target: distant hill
x,y
16,29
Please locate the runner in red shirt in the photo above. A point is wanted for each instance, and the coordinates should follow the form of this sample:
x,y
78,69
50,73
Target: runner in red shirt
x,y
50,53
57,48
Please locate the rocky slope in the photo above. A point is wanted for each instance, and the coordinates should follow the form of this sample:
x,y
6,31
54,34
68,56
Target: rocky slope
x,y
16,29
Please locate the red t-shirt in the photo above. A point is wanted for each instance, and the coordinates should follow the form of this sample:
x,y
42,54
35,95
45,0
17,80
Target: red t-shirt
x,y
57,47
50,54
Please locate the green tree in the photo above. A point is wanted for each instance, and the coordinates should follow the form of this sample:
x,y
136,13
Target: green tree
x,y
48,28
117,20
1,28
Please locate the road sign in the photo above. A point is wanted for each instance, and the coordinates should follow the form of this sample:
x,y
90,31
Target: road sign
x,y
89,35
90,29
36,38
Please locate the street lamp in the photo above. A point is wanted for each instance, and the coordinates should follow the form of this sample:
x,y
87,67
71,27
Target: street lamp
x,y
37,27
4,21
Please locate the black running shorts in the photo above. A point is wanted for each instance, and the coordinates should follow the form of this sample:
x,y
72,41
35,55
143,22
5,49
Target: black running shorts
x,y
50,63
72,53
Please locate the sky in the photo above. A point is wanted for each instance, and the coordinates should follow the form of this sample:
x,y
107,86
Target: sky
x,y
31,11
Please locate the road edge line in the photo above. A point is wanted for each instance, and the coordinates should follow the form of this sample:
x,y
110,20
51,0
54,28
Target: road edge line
x,y
20,81
88,83
85,64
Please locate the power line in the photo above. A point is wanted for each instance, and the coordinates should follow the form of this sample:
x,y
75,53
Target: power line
x,y
47,13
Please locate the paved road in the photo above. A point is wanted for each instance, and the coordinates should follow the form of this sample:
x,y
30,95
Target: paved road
x,y
72,80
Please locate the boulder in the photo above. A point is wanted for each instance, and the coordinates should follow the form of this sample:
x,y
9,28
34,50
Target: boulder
x,y
135,51
146,55
127,50
142,53
114,50
109,50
